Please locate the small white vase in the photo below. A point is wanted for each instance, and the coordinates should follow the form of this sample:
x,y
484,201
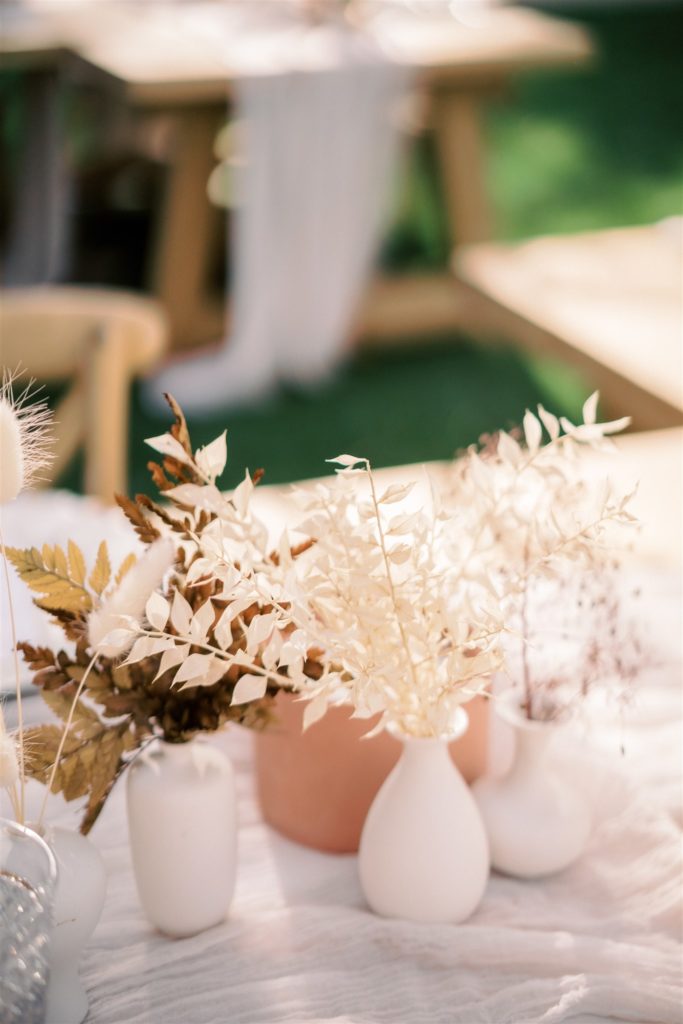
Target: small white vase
x,y
182,818
423,850
537,821
79,898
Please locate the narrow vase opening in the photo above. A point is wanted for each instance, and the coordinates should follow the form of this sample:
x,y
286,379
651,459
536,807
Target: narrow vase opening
x,y
458,728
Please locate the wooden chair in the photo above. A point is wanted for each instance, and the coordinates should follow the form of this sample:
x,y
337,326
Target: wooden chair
x,y
99,341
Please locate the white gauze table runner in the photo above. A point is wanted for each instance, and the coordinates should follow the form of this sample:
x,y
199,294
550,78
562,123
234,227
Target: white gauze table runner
x,y
317,114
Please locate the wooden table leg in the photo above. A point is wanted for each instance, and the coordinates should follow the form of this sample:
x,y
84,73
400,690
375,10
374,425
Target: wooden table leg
x,y
38,249
460,150
183,244
107,392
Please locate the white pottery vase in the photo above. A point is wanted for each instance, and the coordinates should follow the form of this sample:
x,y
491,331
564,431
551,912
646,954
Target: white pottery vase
x,y
79,898
537,821
182,818
423,851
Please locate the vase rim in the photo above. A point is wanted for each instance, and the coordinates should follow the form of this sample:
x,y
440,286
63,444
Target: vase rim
x,y
508,707
33,835
165,745
461,721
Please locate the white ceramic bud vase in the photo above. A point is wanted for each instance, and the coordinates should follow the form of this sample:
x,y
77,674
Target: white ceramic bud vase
x,y
423,850
79,898
182,818
537,821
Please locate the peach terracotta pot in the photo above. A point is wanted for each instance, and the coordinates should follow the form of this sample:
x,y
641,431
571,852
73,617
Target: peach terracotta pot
x,y
316,787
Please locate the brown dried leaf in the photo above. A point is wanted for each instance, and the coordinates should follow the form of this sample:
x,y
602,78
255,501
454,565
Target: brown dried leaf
x,y
144,502
159,478
179,429
36,658
138,520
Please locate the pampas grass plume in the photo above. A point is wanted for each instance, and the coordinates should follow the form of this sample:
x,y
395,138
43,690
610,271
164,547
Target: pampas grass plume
x,y
24,438
9,763
109,625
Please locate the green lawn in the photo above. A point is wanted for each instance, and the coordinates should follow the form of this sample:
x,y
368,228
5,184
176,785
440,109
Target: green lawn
x,y
571,151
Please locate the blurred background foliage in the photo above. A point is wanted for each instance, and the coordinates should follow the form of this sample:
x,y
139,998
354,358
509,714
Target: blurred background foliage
x,y
568,151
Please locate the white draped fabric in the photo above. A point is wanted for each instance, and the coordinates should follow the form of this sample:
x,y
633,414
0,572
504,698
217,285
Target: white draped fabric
x,y
319,141
598,943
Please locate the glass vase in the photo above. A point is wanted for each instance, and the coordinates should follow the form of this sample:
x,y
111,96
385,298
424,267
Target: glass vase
x,y
28,878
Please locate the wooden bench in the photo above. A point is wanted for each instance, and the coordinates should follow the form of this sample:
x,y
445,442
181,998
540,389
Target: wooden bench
x,y
608,303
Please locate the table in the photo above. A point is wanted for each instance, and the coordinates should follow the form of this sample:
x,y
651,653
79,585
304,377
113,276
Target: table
x,y
599,942
163,57
606,302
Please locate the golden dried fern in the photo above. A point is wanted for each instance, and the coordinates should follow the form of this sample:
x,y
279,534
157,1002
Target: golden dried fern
x,y
58,579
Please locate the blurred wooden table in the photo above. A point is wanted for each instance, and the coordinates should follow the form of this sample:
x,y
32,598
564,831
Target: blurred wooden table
x,y
609,303
164,57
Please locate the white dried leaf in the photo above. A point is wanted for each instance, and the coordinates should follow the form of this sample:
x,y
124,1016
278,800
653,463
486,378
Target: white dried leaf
x,y
193,667
260,629
532,432
171,657
508,449
347,460
249,687
615,426
201,568
117,641
550,422
479,474
222,630
314,711
242,494
400,525
157,611
212,458
166,444
271,652
590,408
197,496
396,492
145,647
181,614
400,554
202,621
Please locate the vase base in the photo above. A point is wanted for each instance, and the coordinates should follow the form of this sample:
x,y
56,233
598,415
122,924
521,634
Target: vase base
x,y
67,1002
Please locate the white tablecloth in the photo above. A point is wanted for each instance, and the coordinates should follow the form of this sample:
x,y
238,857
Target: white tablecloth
x,y
598,942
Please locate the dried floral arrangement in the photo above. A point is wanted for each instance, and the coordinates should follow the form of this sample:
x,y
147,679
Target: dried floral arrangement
x,y
397,610
402,635
530,522
195,633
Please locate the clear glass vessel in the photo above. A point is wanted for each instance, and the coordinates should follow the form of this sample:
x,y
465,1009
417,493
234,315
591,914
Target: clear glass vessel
x,y
28,877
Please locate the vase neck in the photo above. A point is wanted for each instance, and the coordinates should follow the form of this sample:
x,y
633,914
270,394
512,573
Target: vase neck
x,y
425,750
459,727
531,743
175,751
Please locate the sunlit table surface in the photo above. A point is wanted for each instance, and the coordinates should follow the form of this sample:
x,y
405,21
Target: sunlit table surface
x,y
597,943
168,52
